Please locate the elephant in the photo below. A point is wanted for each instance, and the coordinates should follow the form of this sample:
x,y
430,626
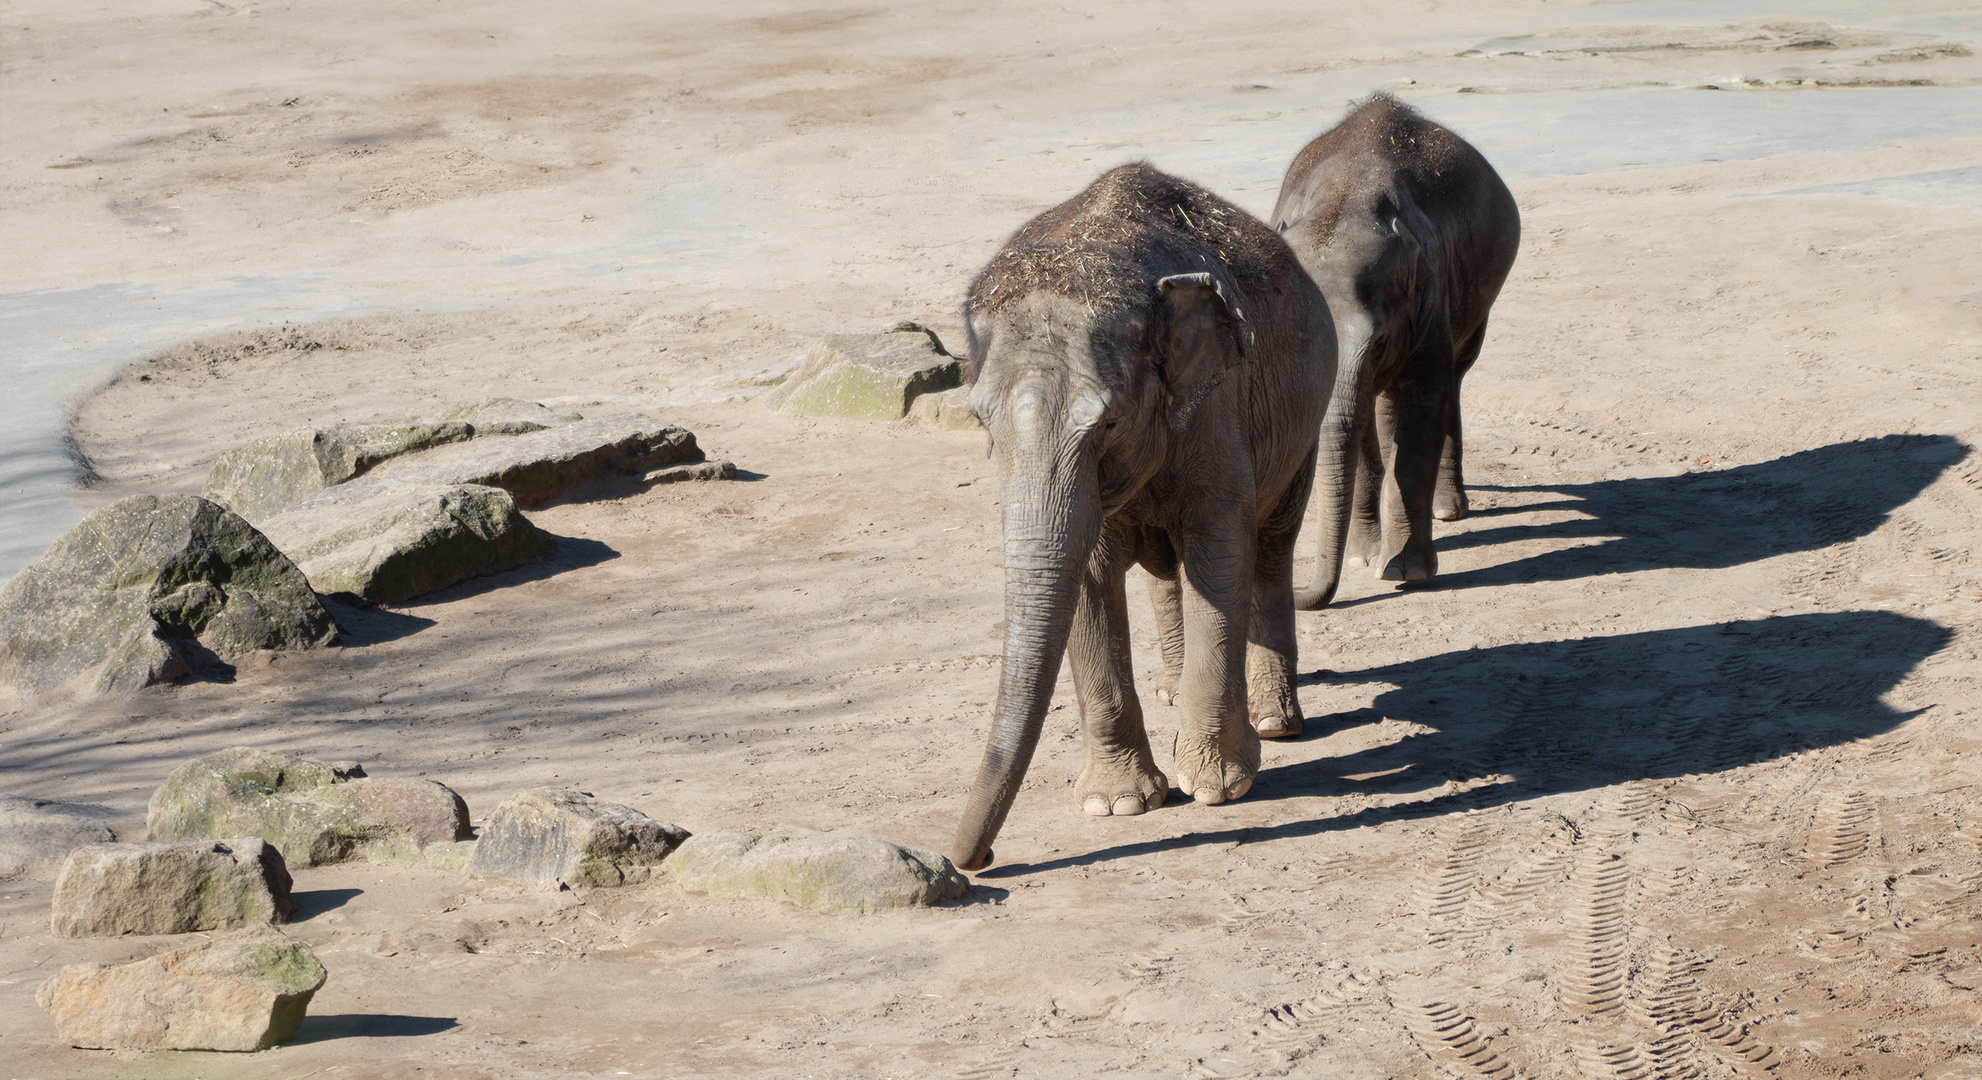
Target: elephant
x,y
1151,364
1409,233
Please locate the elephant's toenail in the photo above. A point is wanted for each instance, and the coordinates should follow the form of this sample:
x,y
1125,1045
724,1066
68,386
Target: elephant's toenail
x,y
1128,805
1096,806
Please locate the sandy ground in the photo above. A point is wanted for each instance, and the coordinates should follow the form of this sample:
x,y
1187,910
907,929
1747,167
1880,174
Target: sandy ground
x,y
1670,773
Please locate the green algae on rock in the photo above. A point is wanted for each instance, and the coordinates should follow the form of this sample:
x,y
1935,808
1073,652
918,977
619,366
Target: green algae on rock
x,y
867,376
313,812
243,991
170,888
131,595
266,475
948,409
833,874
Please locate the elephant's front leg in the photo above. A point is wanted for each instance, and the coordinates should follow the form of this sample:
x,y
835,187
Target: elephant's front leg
x,y
1217,751
1121,777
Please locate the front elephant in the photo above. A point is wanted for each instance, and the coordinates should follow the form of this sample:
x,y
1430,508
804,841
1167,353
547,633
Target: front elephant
x,y
1409,233
1151,364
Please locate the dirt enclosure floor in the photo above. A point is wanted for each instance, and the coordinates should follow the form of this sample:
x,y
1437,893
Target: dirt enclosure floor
x,y
1670,773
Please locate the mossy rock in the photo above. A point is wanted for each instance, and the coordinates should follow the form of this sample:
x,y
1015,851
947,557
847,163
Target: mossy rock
x,y
949,409
271,473
135,593
541,837
833,874
380,542
242,991
170,888
312,811
868,376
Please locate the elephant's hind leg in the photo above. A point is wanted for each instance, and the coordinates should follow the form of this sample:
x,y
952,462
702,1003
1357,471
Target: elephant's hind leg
x,y
1364,546
1271,703
1166,597
1449,502
1121,777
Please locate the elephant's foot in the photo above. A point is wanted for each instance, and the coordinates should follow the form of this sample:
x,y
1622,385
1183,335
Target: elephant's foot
x,y
1214,770
1450,504
1108,789
1363,548
1275,711
1414,563
1278,725
1166,689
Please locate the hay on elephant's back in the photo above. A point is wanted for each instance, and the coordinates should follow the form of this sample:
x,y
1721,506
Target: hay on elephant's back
x,y
1098,247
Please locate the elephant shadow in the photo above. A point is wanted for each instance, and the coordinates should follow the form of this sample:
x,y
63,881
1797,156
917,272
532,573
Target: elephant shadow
x,y
1713,520
1482,727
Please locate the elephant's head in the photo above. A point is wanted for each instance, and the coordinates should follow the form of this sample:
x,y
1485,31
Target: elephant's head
x,y
1083,403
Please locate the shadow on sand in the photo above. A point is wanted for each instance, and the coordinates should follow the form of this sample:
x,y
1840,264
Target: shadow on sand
x,y
1546,718
369,1026
1713,520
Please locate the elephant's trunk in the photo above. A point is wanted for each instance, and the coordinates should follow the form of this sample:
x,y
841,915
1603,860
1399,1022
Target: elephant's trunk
x,y
1350,405
1051,525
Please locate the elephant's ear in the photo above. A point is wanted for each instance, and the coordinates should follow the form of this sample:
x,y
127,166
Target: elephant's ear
x,y
1208,333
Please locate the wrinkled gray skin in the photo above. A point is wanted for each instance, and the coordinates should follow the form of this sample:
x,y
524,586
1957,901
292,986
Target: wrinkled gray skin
x,y
1152,366
1409,233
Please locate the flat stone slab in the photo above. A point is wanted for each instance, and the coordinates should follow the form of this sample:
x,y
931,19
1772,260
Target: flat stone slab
x,y
313,812
542,837
37,835
382,542
704,470
136,593
247,990
833,874
867,376
510,416
110,889
269,474
541,465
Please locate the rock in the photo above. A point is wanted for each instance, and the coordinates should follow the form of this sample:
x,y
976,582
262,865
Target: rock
x,y
824,873
110,889
541,465
142,589
948,409
314,812
544,836
268,474
707,470
509,416
452,857
382,542
247,990
868,376
37,835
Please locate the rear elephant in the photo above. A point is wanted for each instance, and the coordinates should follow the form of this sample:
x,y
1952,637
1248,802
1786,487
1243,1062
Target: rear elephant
x,y
1409,233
